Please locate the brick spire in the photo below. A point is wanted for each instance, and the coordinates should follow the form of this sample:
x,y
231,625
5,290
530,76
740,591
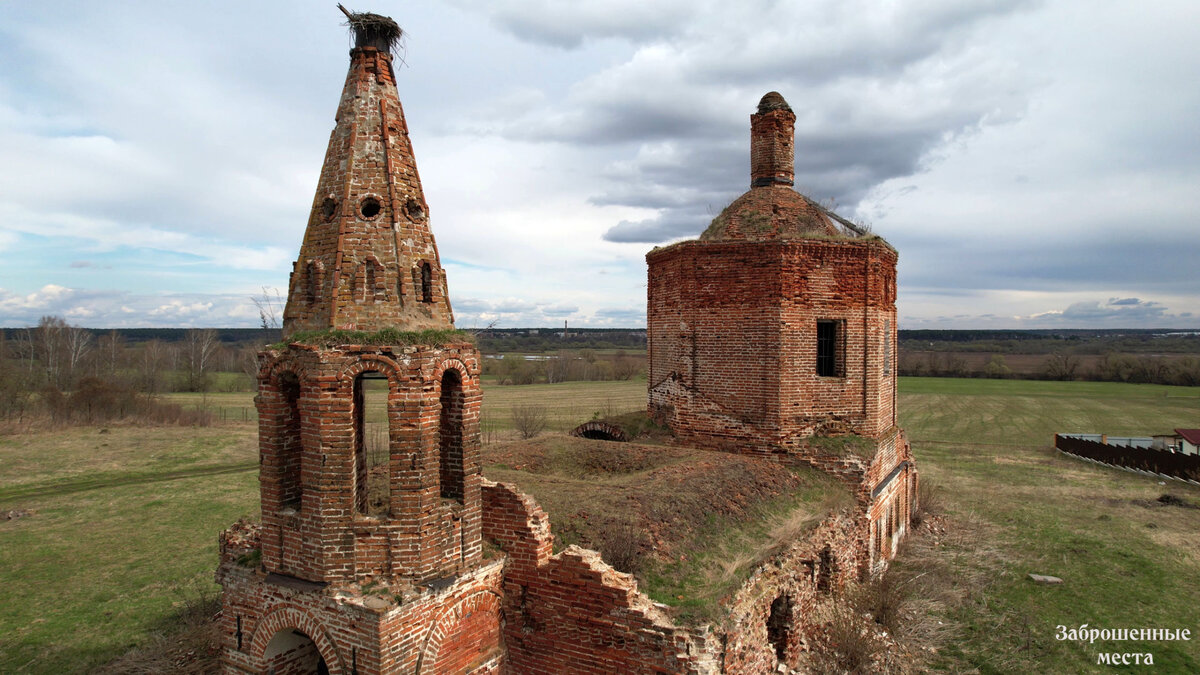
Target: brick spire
x,y
368,260
772,136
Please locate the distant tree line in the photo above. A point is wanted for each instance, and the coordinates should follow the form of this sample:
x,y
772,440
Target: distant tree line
x,y
565,366
78,374
1110,367
542,340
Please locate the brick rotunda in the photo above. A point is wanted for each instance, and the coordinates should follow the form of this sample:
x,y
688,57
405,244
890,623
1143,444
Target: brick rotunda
x,y
774,334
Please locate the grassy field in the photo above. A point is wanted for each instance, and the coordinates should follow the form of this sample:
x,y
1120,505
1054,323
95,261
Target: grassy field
x,y
122,525
1015,506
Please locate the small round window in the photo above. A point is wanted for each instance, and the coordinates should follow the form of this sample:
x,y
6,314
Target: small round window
x,y
414,209
328,208
370,207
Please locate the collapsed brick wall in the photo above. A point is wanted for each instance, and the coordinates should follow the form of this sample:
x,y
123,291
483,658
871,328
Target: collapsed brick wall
x,y
732,340
771,618
572,612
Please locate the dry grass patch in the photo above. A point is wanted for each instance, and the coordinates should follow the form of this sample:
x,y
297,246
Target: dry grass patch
x,y
690,524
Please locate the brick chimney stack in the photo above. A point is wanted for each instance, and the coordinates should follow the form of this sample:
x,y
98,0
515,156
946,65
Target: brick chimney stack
x,y
772,137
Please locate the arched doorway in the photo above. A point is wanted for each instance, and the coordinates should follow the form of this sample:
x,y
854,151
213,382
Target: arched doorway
x,y
291,652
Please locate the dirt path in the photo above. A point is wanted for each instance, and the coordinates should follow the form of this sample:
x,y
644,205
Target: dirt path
x,y
69,487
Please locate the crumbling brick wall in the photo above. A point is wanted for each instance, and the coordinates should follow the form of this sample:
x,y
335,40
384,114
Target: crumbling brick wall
x,y
771,618
572,612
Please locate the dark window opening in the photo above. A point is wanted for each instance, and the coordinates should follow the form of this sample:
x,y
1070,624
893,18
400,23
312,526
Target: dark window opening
x,y
887,346
598,435
370,207
415,210
825,570
426,282
779,625
828,352
450,437
291,651
291,452
328,208
372,445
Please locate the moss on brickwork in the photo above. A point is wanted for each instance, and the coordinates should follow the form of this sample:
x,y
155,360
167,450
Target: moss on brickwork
x,y
859,446
387,336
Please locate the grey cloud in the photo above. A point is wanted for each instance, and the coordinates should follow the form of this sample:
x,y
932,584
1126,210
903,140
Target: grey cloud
x,y
567,25
1124,301
1146,263
672,224
1138,313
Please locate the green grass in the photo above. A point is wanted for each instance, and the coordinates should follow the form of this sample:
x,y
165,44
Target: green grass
x,y
986,445
124,524
91,574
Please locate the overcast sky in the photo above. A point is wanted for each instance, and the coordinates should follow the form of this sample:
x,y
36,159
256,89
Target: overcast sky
x,y
1036,164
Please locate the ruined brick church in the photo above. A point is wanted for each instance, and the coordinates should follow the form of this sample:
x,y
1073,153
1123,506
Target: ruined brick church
x,y
771,335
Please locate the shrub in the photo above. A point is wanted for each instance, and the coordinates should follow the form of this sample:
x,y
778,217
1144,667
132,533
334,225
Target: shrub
x,y
529,420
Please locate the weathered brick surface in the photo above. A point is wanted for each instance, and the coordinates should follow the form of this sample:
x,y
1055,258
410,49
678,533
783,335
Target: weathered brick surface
x,y
397,629
732,339
359,270
808,572
572,612
327,536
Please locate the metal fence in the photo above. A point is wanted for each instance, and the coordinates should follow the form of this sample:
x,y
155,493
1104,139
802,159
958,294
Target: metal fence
x,y
1162,462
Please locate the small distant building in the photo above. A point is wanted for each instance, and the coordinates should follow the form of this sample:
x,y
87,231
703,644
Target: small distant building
x,y
1189,441
1167,442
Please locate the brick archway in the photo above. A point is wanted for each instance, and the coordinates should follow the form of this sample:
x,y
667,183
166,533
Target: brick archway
x,y
601,431
477,614
285,618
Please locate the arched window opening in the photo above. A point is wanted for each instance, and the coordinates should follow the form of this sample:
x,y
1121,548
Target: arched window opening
x,y
328,209
450,437
779,625
372,444
426,282
291,651
315,278
369,290
291,490
376,284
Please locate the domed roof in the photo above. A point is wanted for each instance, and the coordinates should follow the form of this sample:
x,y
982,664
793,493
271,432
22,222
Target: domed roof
x,y
770,212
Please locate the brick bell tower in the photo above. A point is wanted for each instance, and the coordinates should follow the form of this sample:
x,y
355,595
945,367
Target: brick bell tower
x,y
366,536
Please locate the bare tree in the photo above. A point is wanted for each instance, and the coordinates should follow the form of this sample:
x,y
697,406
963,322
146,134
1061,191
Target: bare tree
x,y
78,344
48,340
199,349
110,349
529,420
1061,366
150,365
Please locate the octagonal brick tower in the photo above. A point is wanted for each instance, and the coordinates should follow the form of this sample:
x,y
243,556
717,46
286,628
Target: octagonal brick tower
x,y
776,324
370,535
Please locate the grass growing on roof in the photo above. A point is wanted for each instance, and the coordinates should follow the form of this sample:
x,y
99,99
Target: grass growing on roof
x,y
385,336
700,520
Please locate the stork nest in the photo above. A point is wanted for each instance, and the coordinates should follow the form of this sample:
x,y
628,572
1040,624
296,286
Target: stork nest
x,y
373,30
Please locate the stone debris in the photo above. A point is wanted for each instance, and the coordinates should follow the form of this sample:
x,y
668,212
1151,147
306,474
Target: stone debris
x,y
1044,579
